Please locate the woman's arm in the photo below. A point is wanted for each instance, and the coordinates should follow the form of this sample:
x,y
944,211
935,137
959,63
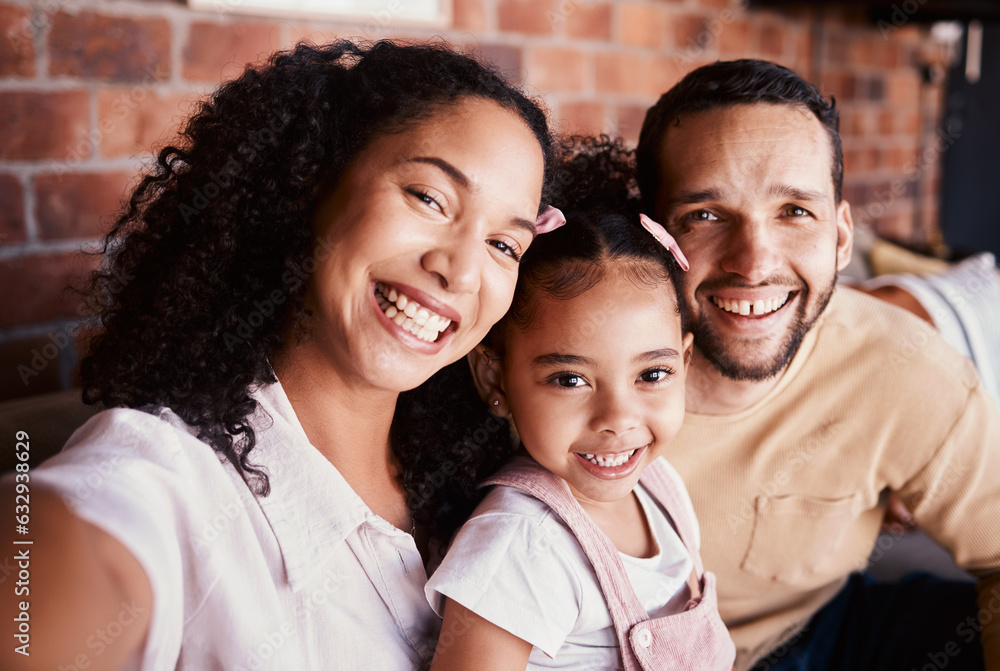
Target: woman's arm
x,y
468,641
87,599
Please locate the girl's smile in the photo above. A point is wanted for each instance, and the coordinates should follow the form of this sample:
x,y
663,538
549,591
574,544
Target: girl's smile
x,y
595,383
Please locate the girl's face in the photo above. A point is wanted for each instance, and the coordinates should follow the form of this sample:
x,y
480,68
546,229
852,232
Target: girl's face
x,y
417,247
595,384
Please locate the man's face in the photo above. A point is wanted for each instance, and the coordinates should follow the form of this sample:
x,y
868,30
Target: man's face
x,y
748,193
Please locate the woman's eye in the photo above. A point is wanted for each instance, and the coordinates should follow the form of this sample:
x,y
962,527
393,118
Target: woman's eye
x,y
655,375
569,380
506,249
427,199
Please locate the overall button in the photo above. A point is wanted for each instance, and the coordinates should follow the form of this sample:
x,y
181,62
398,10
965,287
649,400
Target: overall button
x,y
645,638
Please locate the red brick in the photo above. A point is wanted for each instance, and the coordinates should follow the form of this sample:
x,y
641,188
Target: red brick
x,y
214,52
581,118
531,16
642,25
618,73
132,121
78,205
690,32
772,40
12,213
885,122
661,73
36,287
32,365
903,88
589,22
113,48
17,47
837,48
44,125
630,118
470,15
553,69
734,40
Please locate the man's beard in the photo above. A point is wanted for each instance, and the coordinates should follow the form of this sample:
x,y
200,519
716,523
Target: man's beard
x,y
727,360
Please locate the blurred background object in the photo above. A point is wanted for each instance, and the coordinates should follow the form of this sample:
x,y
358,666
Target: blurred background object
x,y
90,88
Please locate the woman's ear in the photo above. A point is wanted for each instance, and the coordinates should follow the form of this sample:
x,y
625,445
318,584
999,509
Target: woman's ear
x,y
688,344
486,371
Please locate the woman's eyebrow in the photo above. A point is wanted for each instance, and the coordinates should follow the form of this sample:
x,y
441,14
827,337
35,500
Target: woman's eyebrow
x,y
456,175
460,178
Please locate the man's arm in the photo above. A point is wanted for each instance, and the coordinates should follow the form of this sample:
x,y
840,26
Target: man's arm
x,y
955,499
74,582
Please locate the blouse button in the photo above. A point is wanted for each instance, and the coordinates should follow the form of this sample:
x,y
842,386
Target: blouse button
x,y
645,638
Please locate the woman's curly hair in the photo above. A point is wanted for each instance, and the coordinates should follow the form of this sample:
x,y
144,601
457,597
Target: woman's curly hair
x,y
207,266
594,185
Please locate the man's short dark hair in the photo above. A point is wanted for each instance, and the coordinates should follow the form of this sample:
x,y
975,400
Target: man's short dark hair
x,y
725,84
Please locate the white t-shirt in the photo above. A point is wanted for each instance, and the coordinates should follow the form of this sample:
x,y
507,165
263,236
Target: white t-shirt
x,y
517,564
305,578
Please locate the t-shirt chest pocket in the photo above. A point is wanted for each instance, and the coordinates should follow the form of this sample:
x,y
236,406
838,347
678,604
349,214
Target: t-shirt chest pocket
x,y
795,536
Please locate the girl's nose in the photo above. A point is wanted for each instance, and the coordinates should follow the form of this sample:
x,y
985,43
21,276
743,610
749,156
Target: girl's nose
x,y
614,411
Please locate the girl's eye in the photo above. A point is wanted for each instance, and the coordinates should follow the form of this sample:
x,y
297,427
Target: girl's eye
x,y
655,375
568,380
426,198
506,249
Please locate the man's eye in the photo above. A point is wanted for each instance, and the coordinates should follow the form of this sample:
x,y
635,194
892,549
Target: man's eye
x,y
795,211
702,215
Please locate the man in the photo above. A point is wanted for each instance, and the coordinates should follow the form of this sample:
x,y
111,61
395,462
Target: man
x,y
807,403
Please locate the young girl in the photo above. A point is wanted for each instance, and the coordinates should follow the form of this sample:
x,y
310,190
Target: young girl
x,y
586,555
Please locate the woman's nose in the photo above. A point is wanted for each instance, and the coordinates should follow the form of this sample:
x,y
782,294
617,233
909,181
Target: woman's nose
x,y
457,259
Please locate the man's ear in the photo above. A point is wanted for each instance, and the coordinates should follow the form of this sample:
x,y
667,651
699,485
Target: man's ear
x,y
845,234
486,370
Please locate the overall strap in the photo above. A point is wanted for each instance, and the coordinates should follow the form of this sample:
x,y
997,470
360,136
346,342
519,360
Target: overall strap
x,y
663,486
624,606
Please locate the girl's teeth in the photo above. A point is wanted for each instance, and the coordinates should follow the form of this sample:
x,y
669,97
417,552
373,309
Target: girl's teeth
x,y
410,315
609,462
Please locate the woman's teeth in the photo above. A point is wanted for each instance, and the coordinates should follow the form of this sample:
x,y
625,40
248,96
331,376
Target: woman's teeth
x,y
410,315
608,461
758,307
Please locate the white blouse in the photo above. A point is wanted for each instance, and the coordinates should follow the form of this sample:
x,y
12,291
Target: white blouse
x,y
307,577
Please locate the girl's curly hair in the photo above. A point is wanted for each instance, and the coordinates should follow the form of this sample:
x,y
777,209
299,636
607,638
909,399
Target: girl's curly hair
x,y
207,266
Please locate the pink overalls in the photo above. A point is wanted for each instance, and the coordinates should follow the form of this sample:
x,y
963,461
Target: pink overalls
x,y
694,639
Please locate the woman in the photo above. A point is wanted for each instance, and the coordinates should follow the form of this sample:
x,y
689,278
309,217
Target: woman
x,y
339,225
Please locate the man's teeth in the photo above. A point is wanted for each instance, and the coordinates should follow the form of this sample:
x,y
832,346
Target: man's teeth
x,y
758,307
608,461
409,314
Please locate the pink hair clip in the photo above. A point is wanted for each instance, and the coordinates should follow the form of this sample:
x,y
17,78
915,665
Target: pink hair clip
x,y
549,220
664,239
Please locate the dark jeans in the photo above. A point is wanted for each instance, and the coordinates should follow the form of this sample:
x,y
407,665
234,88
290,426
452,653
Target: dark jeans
x,y
921,623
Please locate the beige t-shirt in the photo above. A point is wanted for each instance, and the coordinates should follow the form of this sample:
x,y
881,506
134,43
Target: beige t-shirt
x,y
790,492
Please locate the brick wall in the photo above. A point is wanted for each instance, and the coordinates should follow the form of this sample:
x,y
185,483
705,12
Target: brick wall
x,y
87,88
